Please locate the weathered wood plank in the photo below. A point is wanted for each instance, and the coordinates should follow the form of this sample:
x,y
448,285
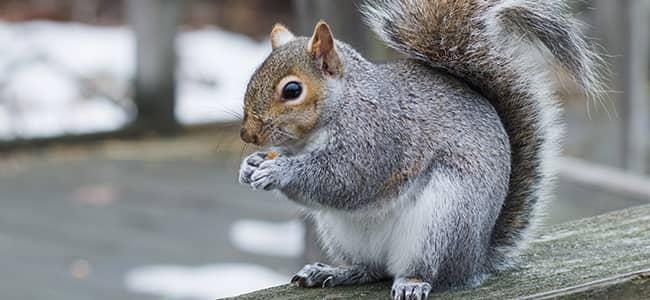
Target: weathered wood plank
x,y
602,257
628,286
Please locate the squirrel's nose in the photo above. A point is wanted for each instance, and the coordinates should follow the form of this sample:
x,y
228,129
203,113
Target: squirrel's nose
x,y
247,137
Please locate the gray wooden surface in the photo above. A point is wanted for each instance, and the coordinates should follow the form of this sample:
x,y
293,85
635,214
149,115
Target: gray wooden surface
x,y
605,257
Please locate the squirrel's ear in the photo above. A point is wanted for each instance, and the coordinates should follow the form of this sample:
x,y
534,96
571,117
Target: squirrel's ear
x,y
322,47
280,35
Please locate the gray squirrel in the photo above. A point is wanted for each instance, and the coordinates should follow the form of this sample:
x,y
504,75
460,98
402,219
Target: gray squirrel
x,y
430,170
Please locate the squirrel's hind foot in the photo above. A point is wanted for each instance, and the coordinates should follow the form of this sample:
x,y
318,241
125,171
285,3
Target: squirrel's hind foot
x,y
322,275
411,288
315,275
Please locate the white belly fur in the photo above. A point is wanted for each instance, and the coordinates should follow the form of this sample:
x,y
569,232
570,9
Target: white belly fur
x,y
393,237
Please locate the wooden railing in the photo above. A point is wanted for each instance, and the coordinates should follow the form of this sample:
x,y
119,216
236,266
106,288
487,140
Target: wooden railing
x,y
604,257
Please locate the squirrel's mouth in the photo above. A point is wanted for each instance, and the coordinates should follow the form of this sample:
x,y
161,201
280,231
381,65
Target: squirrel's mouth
x,y
269,134
254,132
265,138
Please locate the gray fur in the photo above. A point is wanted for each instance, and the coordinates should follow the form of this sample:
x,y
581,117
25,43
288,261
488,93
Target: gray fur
x,y
445,127
493,45
430,168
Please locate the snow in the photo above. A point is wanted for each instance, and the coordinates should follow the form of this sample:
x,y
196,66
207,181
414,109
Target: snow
x,y
280,239
82,49
227,60
58,78
286,239
202,282
39,102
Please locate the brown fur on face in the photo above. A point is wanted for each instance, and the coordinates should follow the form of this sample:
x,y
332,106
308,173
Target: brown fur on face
x,y
271,120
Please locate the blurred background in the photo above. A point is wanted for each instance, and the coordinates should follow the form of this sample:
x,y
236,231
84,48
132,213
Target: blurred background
x,y
119,144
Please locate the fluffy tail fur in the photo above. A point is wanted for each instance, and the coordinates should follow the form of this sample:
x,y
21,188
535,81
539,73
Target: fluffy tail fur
x,y
499,47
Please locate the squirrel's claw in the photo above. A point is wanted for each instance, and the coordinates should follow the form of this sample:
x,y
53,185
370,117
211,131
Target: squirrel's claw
x,y
329,282
408,289
299,281
256,159
261,180
295,278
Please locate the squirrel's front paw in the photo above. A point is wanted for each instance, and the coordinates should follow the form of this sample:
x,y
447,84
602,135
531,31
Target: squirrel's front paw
x,y
249,165
261,171
268,175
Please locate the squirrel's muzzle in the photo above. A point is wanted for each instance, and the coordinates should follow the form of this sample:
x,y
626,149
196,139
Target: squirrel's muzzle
x,y
248,137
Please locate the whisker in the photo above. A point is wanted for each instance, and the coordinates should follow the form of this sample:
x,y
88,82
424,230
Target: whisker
x,y
243,150
234,115
233,112
241,156
284,134
589,108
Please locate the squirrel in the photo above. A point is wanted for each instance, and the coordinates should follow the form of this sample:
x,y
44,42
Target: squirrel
x,y
430,170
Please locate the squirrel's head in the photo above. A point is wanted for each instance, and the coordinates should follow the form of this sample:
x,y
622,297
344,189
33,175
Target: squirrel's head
x,y
286,95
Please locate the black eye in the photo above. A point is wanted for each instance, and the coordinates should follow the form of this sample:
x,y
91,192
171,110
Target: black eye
x,y
291,91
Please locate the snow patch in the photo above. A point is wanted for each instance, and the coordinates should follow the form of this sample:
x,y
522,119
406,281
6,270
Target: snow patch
x,y
285,239
59,78
39,101
203,282
216,67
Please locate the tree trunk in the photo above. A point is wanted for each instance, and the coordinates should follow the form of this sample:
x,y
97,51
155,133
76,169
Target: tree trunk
x,y
154,23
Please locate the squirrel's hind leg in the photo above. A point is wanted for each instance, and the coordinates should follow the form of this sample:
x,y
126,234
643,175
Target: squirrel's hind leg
x,y
322,275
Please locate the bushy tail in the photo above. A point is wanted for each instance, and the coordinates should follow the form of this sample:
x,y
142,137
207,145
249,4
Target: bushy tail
x,y
499,47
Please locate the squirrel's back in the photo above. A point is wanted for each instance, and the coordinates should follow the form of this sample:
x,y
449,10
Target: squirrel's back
x,y
494,47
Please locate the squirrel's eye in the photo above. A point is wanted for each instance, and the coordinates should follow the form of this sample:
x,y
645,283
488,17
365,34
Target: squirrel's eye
x,y
291,91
